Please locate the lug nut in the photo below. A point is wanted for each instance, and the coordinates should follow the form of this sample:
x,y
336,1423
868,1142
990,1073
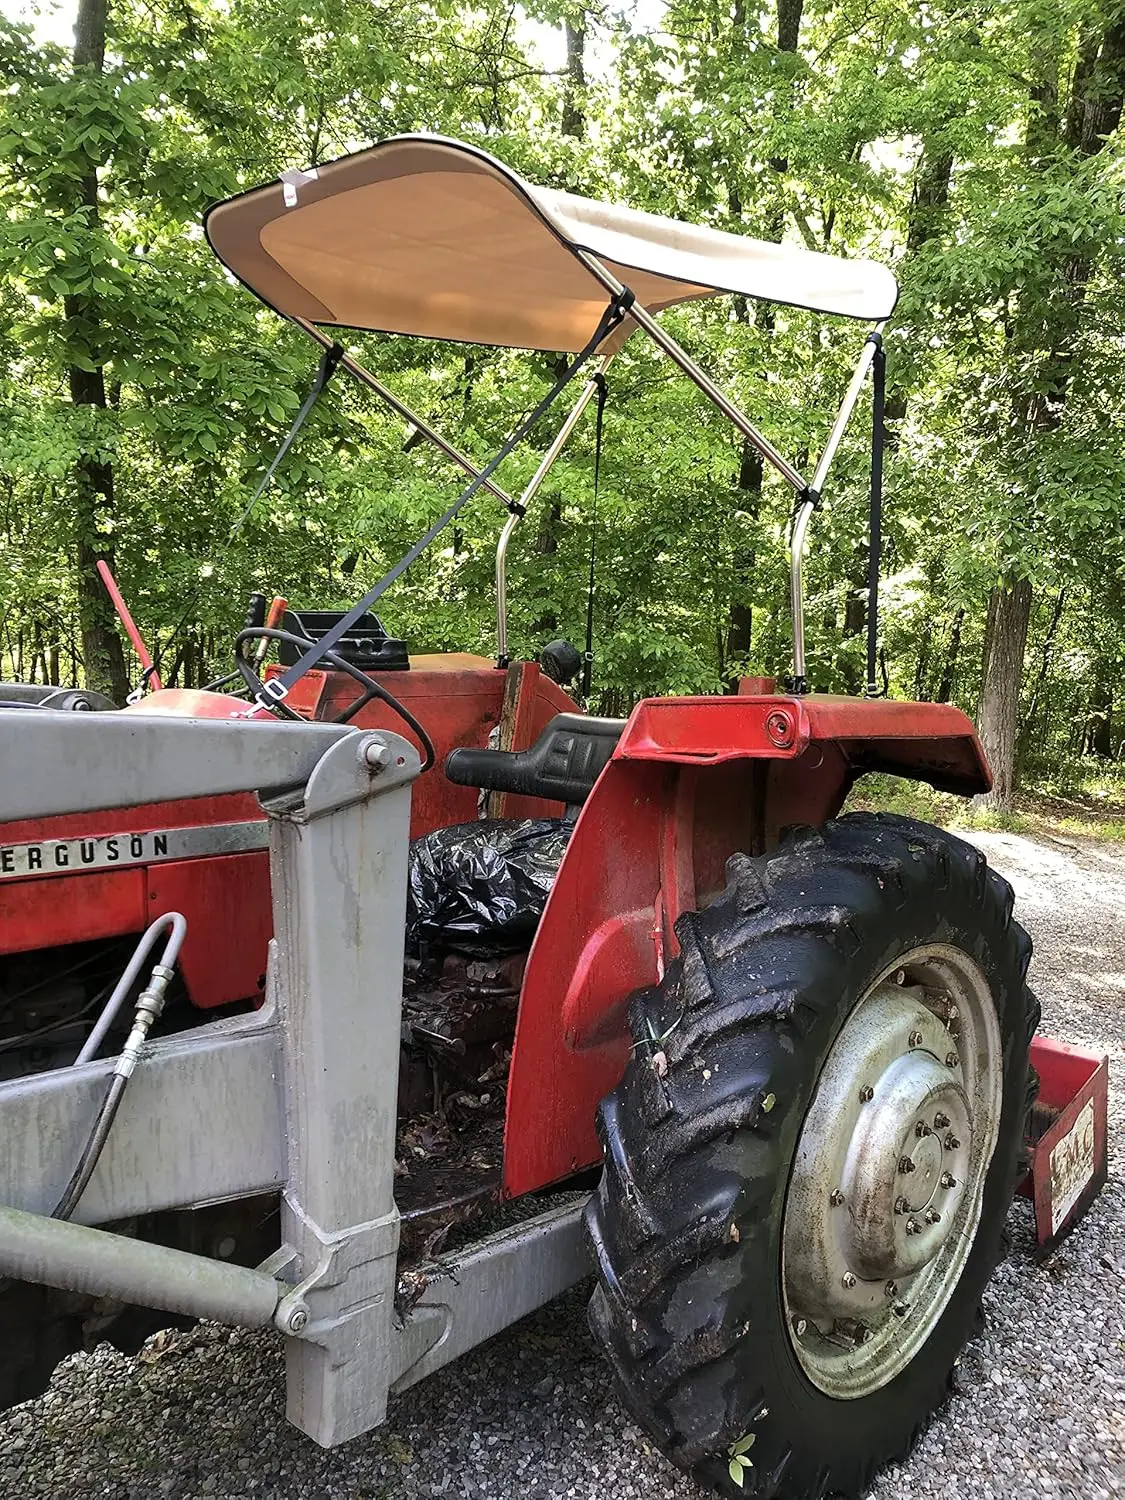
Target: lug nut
x,y
905,1164
952,1060
915,1038
912,1226
900,977
922,1130
900,1309
932,1216
835,1197
891,1289
948,1180
940,1121
799,1327
847,1280
866,1094
901,1205
952,1143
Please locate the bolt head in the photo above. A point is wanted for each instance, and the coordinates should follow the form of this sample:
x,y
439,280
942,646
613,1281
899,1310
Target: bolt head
x,y
866,1094
799,1327
298,1319
900,1309
932,1216
905,1165
922,1130
952,1143
377,756
900,977
900,1205
779,727
891,1289
912,1226
952,1060
948,1180
847,1280
916,1038
835,1197
940,1121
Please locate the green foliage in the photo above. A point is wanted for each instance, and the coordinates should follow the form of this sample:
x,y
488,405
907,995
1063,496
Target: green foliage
x,y
958,142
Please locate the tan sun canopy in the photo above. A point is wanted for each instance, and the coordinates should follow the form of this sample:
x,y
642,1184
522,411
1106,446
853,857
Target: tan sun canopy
x,y
436,239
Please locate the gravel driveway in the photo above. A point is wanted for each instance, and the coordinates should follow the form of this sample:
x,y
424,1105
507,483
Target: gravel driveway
x,y
1040,1406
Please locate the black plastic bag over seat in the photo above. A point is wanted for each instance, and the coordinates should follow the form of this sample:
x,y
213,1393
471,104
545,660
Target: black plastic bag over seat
x,y
482,886
562,766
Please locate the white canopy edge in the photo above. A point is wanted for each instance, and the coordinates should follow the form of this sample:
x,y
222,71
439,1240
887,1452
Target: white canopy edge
x,y
435,238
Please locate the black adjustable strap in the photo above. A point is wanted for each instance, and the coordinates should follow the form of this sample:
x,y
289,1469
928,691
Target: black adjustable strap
x,y
588,657
875,541
329,362
327,368
279,687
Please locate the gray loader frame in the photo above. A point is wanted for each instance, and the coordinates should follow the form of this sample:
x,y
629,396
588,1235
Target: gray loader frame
x,y
298,1098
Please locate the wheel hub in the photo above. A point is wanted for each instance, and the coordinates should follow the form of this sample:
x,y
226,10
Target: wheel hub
x,y
901,1179
886,1186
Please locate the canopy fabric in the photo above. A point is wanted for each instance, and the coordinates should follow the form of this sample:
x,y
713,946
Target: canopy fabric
x,y
434,238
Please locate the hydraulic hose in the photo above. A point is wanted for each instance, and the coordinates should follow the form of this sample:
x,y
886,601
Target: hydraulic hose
x,y
150,1003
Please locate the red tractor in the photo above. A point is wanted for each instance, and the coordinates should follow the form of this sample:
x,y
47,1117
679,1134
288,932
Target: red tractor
x,y
770,1063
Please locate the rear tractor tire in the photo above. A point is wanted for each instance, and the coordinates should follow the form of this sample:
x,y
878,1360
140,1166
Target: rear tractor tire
x,y
810,1158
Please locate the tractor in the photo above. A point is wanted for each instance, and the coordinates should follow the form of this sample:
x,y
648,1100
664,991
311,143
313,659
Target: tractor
x,y
462,994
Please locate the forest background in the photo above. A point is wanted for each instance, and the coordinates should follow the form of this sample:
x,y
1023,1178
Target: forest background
x,y
974,146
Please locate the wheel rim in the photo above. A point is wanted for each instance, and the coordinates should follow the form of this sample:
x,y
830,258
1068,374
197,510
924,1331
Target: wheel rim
x,y
887,1184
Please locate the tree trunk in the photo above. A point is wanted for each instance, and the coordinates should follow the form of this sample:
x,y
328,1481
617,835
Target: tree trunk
x,y
574,95
949,670
103,657
1005,638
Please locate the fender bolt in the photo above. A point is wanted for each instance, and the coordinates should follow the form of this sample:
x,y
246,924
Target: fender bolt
x,y
779,727
835,1197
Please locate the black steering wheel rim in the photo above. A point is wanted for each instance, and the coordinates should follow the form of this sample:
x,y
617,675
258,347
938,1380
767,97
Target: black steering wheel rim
x,y
259,690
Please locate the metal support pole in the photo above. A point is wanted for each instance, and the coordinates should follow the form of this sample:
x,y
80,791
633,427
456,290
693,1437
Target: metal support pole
x,y
811,499
78,1259
365,377
338,863
679,357
533,484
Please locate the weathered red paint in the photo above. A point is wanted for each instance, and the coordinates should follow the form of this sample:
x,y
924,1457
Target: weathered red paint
x,y
227,899
1074,1086
693,780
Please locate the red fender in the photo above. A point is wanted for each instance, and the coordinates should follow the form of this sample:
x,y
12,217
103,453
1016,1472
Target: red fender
x,y
692,781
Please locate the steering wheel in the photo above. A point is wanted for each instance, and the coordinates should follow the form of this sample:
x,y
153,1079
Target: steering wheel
x,y
370,688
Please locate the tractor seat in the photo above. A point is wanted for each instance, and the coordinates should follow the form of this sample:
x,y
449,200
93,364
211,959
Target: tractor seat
x,y
562,766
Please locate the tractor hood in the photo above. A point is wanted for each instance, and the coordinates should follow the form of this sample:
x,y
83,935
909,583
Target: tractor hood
x,y
433,238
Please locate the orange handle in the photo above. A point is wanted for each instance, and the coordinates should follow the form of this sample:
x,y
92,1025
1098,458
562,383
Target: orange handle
x,y
274,617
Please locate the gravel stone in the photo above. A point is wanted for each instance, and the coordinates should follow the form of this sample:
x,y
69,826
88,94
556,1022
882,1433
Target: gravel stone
x,y
1038,1410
